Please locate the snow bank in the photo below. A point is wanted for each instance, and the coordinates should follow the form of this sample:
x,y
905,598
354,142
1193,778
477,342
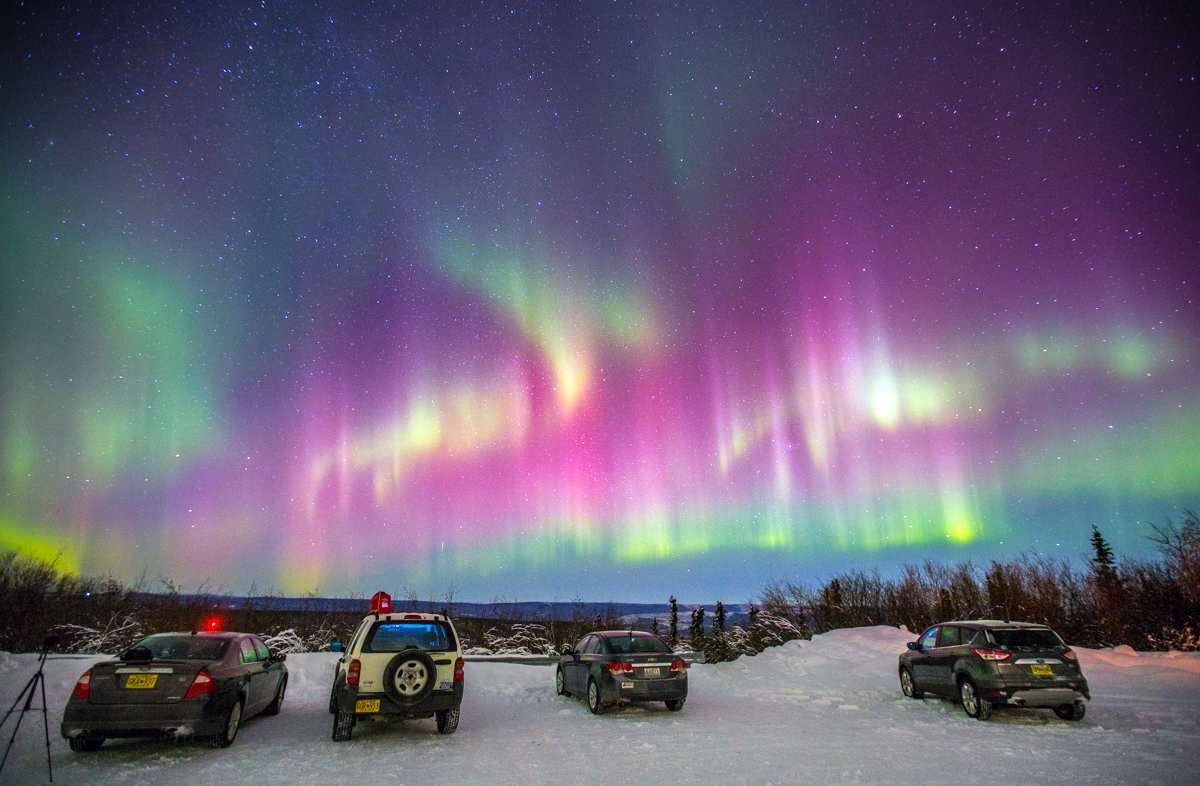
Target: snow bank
x,y
827,711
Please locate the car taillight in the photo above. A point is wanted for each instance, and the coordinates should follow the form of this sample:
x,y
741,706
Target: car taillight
x,y
201,685
992,654
617,667
353,672
679,665
1070,655
458,669
83,688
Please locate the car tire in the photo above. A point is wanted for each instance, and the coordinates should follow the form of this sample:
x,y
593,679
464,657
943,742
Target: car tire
x,y
82,743
909,685
674,705
343,725
1071,712
560,683
333,702
447,721
233,722
409,677
277,703
974,705
594,702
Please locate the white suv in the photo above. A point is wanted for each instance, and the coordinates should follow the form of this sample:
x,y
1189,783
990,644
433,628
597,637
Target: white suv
x,y
398,665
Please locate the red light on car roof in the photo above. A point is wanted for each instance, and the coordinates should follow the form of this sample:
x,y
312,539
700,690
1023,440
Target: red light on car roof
x,y
212,623
381,603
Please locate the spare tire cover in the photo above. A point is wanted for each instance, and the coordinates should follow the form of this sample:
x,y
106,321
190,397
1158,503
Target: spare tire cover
x,y
409,677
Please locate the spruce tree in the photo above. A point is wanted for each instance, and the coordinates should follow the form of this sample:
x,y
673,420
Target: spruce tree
x,y
673,633
719,618
754,630
696,629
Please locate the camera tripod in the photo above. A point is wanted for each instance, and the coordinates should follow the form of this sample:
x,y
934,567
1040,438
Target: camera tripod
x,y
38,680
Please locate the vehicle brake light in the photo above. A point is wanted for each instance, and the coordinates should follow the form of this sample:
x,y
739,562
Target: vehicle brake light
x,y
412,616
679,665
458,670
617,667
202,684
83,688
1070,655
353,671
992,654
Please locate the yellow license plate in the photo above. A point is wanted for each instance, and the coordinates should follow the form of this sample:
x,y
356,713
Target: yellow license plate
x,y
1041,669
367,705
141,680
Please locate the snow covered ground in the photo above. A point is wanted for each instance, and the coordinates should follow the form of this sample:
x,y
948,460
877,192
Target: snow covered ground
x,y
825,711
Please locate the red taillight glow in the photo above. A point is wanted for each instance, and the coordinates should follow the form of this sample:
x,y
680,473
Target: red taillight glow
x,y
201,685
1070,655
412,616
458,669
992,654
83,688
679,665
353,672
617,667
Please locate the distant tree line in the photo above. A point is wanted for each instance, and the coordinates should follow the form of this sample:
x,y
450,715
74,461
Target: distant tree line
x,y
1147,604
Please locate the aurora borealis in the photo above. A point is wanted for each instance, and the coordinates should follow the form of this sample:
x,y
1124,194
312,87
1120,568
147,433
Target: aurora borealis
x,y
594,300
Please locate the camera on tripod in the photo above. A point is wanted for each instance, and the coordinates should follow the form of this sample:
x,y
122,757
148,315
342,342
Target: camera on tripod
x,y
36,682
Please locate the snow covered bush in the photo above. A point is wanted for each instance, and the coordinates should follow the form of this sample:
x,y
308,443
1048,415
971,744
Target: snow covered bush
x,y
121,631
1183,639
519,638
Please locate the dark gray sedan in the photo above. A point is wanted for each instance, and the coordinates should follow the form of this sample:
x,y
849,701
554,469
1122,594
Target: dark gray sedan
x,y
184,684
618,666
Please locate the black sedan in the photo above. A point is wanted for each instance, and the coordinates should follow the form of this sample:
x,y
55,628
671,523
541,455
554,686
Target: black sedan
x,y
183,684
986,664
619,666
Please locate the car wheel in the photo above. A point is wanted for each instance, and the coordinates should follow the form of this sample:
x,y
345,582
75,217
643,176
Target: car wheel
x,y
409,677
560,683
909,686
343,725
593,697
233,722
674,705
1071,712
447,721
82,743
277,703
973,704
333,699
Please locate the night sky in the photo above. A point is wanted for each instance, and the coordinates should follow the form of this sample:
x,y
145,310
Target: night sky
x,y
596,300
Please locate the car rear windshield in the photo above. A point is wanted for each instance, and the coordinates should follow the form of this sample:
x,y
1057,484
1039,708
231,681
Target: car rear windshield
x,y
395,636
182,646
1025,638
636,643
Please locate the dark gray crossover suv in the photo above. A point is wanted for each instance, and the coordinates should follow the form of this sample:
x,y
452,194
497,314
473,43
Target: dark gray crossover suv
x,y
988,663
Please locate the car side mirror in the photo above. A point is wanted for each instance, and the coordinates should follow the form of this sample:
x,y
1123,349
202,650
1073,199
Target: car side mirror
x,y
336,647
912,645
565,649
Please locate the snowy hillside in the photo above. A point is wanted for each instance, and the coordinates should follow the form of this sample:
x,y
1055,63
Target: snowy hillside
x,y
825,711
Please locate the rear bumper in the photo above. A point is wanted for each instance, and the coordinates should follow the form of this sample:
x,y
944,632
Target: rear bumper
x,y
349,696
613,689
184,718
1023,693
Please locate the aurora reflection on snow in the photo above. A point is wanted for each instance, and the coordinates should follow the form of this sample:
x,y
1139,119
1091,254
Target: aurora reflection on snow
x,y
552,304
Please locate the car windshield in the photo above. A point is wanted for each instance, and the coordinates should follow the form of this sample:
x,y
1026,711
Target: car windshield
x,y
636,643
183,646
1025,638
396,636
